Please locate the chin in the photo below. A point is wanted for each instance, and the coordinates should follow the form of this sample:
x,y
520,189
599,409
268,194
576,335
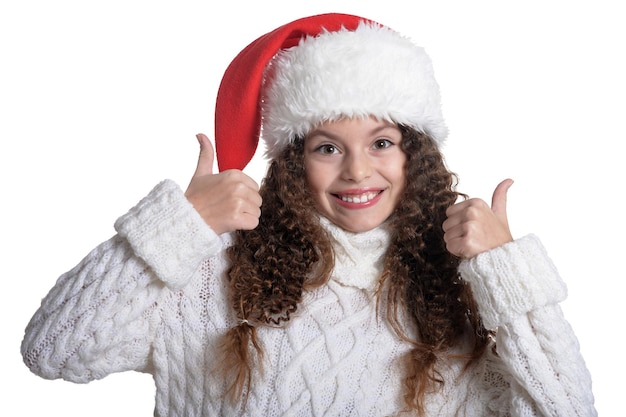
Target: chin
x,y
358,227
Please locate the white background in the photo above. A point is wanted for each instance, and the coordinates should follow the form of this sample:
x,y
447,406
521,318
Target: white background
x,y
101,100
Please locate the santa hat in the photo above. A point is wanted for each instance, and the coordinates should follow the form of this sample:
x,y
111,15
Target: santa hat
x,y
322,68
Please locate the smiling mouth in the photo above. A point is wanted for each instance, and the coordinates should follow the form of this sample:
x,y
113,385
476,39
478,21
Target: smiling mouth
x,y
358,198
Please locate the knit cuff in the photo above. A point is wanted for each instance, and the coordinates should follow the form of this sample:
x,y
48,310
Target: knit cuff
x,y
168,234
512,280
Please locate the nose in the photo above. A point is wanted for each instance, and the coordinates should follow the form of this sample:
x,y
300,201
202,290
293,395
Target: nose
x,y
357,167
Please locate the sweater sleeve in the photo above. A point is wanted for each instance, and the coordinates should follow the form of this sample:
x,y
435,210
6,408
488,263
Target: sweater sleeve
x,y
518,288
100,317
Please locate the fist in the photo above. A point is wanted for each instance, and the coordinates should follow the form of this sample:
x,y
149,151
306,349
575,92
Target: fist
x,y
227,201
472,227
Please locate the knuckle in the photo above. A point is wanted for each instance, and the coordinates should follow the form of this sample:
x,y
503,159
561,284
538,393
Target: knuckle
x,y
468,229
477,203
232,175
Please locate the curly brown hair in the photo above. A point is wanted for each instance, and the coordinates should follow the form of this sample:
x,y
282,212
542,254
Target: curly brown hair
x,y
289,253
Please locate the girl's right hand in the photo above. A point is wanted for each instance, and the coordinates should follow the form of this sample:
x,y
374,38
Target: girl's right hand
x,y
227,201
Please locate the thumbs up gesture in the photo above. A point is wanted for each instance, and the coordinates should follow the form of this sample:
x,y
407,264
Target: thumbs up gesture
x,y
227,201
472,227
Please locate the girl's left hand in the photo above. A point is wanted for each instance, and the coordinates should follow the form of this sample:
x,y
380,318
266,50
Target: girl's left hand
x,y
472,227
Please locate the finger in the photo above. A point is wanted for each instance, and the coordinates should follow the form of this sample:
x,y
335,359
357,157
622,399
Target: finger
x,y
499,199
465,210
452,220
253,210
206,157
456,208
246,190
244,215
248,221
241,182
455,216
251,184
241,189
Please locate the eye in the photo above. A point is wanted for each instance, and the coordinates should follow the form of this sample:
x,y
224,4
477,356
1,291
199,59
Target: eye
x,y
327,149
382,144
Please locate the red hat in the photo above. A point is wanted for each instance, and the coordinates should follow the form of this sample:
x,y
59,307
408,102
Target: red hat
x,y
316,69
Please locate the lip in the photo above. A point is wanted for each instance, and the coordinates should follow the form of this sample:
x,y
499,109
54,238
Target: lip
x,y
358,199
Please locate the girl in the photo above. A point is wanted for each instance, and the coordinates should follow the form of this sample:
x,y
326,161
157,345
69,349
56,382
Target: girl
x,y
351,283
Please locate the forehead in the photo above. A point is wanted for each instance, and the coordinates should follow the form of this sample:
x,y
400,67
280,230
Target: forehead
x,y
354,126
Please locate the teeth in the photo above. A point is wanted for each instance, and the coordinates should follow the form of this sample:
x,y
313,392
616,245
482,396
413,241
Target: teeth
x,y
363,198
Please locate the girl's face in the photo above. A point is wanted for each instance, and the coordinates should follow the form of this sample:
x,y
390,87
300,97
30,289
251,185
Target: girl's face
x,y
355,170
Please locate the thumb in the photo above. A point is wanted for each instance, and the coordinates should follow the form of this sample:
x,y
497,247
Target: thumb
x,y
205,160
498,201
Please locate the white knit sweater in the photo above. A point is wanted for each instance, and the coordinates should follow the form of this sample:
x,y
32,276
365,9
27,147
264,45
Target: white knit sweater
x,y
153,299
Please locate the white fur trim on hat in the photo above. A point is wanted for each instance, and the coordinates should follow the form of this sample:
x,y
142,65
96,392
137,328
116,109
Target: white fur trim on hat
x,y
371,71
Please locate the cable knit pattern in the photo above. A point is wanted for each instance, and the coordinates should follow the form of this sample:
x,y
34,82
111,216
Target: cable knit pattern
x,y
163,212
359,256
93,322
506,288
154,298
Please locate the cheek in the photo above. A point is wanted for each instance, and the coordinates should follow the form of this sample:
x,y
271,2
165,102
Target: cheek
x,y
315,186
315,178
401,180
398,174
399,184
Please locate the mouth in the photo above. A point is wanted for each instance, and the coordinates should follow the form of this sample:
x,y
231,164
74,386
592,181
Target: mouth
x,y
365,197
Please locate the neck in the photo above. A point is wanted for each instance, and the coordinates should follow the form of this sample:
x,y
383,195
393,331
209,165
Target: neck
x,y
359,257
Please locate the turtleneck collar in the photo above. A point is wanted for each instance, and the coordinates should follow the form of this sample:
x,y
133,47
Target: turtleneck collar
x,y
359,257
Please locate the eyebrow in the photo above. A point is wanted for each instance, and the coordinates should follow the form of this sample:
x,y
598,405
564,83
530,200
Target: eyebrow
x,y
321,132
